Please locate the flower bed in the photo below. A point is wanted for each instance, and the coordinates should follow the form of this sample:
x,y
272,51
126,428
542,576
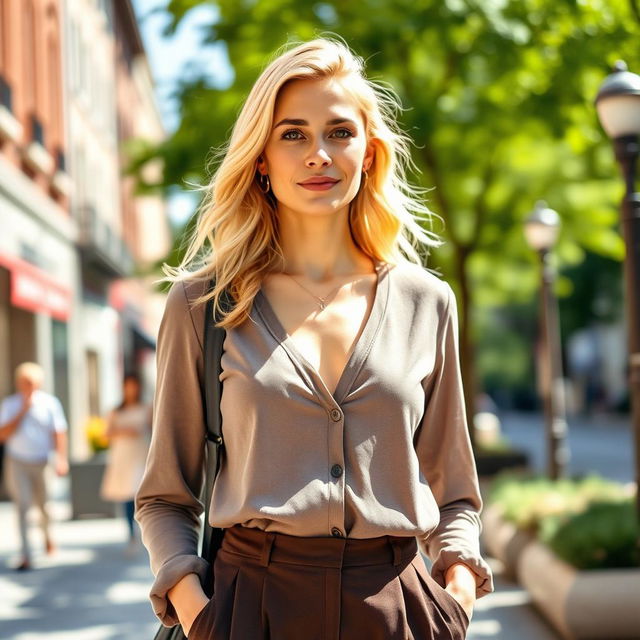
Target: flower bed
x,y
572,545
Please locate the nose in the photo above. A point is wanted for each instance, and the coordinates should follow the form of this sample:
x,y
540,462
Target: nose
x,y
318,158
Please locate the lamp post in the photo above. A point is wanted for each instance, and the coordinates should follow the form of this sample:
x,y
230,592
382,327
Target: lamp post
x,y
541,232
618,106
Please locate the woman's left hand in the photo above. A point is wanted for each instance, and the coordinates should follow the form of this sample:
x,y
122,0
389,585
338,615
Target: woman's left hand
x,y
461,584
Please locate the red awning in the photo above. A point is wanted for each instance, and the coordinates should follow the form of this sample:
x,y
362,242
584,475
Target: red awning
x,y
34,290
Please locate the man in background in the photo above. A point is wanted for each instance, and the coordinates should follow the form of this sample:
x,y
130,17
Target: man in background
x,y
32,424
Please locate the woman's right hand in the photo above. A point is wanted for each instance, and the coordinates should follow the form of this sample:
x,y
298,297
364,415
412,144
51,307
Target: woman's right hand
x,y
188,599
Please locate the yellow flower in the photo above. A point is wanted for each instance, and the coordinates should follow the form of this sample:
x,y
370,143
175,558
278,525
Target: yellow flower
x,y
96,428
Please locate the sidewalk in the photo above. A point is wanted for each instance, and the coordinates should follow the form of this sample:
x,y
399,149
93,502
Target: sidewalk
x,y
507,613
90,590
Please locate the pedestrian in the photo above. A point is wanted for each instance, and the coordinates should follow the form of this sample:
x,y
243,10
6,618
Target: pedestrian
x,y
346,450
32,424
128,431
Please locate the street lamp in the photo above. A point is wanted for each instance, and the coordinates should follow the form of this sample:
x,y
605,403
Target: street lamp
x,y
541,232
618,106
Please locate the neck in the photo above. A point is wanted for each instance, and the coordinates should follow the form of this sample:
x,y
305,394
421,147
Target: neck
x,y
319,247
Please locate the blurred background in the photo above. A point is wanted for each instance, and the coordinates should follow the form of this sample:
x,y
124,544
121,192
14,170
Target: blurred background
x,y
109,113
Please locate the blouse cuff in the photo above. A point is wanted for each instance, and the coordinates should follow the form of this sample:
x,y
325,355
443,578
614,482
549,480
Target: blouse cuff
x,y
482,571
168,576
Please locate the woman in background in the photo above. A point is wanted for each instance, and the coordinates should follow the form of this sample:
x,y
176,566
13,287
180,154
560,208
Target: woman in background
x,y
128,432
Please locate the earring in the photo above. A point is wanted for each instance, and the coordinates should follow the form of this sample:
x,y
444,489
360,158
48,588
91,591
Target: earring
x,y
265,186
366,176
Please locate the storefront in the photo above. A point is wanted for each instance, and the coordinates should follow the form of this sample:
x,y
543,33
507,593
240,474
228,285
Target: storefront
x,y
34,312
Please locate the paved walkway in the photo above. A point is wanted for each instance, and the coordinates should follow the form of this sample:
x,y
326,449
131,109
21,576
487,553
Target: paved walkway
x,y
92,590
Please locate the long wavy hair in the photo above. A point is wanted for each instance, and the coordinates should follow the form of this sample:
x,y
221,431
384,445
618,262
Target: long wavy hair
x,y
235,240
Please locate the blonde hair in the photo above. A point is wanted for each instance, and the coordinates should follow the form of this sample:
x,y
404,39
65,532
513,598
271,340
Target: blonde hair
x,y
30,371
236,236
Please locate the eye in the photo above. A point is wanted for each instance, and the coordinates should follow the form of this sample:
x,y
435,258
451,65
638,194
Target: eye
x,y
286,136
339,133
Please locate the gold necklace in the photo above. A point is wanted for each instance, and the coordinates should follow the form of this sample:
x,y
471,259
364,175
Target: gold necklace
x,y
323,301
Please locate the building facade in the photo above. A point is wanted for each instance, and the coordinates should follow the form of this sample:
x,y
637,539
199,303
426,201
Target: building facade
x,y
75,87
38,264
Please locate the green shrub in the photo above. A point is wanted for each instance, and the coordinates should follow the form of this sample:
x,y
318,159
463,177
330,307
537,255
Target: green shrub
x,y
526,499
590,522
602,536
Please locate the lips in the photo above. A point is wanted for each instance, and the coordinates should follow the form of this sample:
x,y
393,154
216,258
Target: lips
x,y
319,180
319,183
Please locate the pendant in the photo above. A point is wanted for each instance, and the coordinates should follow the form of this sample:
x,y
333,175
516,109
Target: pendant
x,y
322,306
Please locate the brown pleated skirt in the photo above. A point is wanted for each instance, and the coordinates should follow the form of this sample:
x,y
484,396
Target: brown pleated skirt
x,y
281,587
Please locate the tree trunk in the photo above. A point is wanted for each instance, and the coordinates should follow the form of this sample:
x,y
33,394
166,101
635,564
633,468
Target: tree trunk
x,y
467,346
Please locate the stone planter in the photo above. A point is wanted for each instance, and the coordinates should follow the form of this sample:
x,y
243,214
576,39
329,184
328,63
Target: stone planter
x,y
601,604
503,540
85,490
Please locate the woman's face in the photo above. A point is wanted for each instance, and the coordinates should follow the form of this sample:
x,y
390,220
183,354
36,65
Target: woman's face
x,y
318,133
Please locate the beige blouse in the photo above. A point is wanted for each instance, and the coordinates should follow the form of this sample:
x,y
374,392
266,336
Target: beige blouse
x,y
387,454
127,455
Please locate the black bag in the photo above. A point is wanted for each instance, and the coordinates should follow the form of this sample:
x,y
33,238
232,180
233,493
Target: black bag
x,y
211,536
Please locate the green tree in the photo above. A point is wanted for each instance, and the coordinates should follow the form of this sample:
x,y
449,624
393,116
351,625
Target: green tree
x,y
498,98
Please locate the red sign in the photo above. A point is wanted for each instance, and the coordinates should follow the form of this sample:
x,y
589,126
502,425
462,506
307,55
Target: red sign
x,y
32,289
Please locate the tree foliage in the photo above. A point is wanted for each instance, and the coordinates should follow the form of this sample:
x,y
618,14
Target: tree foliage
x,y
498,96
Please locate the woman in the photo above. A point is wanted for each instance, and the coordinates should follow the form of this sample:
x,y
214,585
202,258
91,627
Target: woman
x,y
128,429
346,447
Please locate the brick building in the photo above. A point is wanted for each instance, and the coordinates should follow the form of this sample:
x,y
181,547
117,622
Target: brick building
x,y
74,87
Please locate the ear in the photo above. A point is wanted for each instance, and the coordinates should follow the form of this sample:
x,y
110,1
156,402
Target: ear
x,y
261,165
369,155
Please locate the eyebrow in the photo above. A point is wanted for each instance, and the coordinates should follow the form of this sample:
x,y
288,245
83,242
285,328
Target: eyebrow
x,y
304,123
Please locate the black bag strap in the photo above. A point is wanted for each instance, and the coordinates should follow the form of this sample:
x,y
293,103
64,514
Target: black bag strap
x,y
211,393
213,341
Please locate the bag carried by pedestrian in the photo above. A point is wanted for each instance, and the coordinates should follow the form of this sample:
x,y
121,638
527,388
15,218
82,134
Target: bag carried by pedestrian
x,y
211,392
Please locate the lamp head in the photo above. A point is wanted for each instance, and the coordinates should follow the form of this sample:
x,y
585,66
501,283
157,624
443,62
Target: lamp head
x,y
618,102
541,227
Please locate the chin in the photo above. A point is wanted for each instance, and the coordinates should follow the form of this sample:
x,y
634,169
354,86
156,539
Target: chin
x,y
316,206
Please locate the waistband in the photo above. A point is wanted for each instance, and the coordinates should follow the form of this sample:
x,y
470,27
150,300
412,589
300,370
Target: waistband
x,y
317,551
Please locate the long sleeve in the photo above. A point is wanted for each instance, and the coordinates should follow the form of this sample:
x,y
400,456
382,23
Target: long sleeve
x,y
167,505
446,460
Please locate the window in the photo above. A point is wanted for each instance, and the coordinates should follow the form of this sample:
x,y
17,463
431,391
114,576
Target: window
x,y
37,132
5,94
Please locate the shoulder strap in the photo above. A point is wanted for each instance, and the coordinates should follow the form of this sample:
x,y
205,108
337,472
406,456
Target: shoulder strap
x,y
213,341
